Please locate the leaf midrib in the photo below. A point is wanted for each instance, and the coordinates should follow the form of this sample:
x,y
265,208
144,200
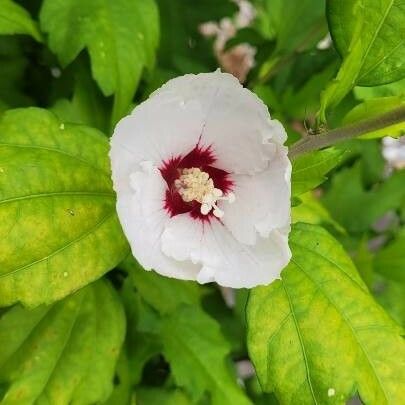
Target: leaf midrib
x,y
303,351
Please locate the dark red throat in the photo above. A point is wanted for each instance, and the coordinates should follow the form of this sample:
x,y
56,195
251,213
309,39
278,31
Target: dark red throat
x,y
199,157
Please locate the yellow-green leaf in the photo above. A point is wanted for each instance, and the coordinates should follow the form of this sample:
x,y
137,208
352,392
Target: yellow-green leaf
x,y
59,229
317,336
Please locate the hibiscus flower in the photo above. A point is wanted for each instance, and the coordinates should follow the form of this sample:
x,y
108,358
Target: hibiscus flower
x,y
203,183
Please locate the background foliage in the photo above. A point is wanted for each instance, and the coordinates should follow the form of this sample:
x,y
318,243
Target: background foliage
x,y
82,323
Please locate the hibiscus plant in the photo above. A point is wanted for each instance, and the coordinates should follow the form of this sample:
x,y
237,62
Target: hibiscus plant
x,y
202,202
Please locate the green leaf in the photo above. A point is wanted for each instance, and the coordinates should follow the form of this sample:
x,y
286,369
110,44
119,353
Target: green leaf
x,y
161,396
311,211
369,34
316,336
87,105
59,229
13,67
14,19
122,392
390,261
183,48
197,353
295,24
356,208
162,293
381,37
391,295
3,107
141,343
63,353
373,107
308,170
385,90
363,260
304,101
121,37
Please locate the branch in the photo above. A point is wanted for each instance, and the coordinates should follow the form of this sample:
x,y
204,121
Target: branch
x,y
315,142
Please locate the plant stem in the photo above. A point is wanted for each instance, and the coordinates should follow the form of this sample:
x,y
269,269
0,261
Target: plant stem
x,y
315,142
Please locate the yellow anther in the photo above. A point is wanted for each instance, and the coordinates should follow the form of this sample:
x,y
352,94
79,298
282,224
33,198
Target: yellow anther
x,y
196,185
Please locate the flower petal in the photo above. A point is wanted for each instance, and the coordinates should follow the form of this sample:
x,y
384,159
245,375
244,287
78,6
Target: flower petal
x,y
221,257
142,216
262,201
236,122
156,130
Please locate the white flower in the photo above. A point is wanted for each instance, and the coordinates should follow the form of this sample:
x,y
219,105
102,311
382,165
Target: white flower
x,y
240,59
203,183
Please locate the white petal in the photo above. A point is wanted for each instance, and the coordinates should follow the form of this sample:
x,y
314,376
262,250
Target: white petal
x,y
143,218
221,257
236,122
158,129
262,201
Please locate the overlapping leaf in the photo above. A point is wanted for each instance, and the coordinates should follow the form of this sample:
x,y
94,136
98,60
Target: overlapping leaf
x,y
317,336
162,293
121,37
14,19
309,170
63,353
382,57
357,208
390,261
197,352
369,35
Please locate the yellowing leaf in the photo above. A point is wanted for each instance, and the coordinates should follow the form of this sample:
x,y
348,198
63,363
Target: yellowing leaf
x,y
317,336
59,229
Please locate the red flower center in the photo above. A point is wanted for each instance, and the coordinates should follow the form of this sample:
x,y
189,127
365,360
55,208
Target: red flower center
x,y
173,169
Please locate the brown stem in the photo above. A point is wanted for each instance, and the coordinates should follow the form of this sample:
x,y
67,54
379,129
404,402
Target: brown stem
x,y
315,142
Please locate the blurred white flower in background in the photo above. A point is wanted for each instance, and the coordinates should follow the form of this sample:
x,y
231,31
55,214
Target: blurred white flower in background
x,y
203,183
393,151
240,59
